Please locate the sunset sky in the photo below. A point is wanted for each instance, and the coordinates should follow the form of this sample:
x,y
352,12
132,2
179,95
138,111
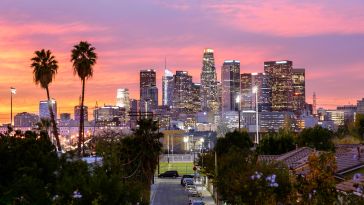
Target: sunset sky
x,y
326,37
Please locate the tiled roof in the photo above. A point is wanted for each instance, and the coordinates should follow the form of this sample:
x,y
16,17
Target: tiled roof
x,y
292,159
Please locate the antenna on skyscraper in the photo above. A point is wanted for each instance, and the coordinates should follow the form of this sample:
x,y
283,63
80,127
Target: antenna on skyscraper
x,y
314,111
165,63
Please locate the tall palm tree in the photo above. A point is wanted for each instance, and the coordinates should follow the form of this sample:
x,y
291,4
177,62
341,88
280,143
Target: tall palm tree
x,y
83,58
45,68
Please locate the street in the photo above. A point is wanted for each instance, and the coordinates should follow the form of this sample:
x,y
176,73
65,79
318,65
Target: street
x,y
168,191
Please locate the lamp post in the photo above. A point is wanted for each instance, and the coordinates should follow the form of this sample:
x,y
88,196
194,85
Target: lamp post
x,y
255,90
237,100
12,92
185,140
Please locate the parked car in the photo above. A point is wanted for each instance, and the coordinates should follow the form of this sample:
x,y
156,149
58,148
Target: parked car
x,y
196,202
188,181
171,174
190,187
186,176
193,193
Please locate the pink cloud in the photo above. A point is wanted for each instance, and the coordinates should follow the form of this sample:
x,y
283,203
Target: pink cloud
x,y
284,18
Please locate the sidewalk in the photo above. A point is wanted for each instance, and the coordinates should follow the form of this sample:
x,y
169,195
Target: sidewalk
x,y
206,195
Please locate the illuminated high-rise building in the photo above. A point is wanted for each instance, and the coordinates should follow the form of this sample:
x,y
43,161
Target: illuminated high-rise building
x,y
122,98
209,98
44,110
182,91
246,98
230,81
77,113
196,97
299,90
280,80
247,82
167,86
148,91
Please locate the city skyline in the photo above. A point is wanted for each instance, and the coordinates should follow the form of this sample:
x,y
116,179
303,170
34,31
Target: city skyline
x,y
331,54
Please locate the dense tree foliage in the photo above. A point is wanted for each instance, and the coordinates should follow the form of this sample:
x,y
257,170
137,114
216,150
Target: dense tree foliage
x,y
359,125
233,139
316,137
31,172
318,185
277,143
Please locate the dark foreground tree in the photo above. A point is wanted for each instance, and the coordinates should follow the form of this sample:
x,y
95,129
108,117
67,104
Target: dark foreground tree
x,y
83,58
45,68
277,143
317,137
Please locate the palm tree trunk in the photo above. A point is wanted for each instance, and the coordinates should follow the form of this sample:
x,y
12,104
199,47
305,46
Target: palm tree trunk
x,y
81,138
55,130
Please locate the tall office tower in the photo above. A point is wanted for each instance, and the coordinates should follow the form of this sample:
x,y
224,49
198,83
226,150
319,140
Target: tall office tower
x,y
196,97
44,110
246,86
209,98
230,83
148,91
299,90
247,82
77,113
360,107
167,85
314,109
280,80
182,91
25,119
261,80
122,98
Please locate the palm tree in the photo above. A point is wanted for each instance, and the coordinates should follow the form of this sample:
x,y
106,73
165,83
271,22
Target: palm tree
x,y
83,58
45,68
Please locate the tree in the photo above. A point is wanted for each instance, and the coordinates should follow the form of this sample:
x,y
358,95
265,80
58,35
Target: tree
x,y
316,137
45,68
83,58
359,125
277,143
235,138
27,167
318,185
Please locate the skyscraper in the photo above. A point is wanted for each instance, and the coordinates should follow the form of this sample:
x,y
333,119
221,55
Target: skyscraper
x,y
196,97
248,81
182,97
122,98
77,113
246,99
280,80
44,110
299,90
167,85
230,80
148,91
209,98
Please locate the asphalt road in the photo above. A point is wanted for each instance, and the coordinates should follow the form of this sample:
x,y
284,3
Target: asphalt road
x,y
168,192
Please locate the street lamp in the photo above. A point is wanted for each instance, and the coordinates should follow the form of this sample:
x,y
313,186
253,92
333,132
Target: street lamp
x,y
237,100
185,140
255,90
12,92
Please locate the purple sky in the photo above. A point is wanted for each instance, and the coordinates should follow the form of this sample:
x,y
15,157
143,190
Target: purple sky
x,y
325,37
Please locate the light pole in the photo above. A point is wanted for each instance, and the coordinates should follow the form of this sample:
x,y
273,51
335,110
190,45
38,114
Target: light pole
x,y
237,100
12,92
185,140
255,90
